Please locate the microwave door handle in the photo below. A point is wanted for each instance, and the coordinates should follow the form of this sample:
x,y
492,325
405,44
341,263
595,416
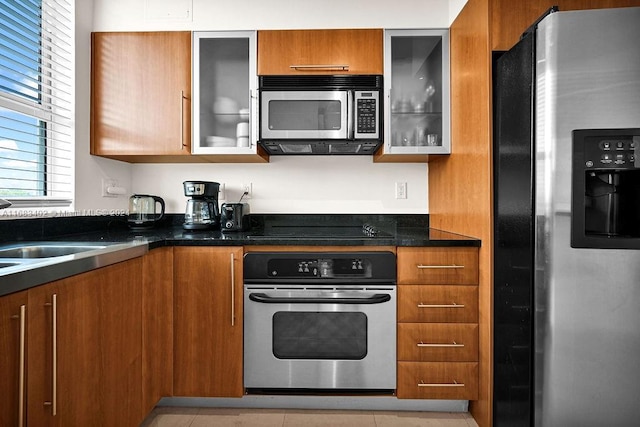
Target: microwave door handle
x,y
351,118
266,299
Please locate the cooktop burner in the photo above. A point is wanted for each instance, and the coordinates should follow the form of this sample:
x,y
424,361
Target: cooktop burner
x,y
323,232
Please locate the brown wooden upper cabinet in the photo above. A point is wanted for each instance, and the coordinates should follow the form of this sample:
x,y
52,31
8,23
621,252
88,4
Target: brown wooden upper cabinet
x,y
141,96
340,51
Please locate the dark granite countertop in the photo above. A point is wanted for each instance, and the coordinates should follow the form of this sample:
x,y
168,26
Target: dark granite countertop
x,y
273,229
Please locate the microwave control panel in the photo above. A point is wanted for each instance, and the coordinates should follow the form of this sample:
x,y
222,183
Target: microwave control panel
x,y
366,114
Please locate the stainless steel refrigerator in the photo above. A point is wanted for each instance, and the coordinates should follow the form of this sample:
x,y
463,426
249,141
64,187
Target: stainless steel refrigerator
x,y
567,222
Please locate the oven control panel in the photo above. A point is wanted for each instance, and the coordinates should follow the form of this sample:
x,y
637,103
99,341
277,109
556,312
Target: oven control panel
x,y
319,268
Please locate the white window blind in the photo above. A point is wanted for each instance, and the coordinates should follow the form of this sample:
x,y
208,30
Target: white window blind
x,y
37,102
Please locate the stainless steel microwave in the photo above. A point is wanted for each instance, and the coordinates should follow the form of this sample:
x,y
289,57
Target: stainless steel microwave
x,y
321,114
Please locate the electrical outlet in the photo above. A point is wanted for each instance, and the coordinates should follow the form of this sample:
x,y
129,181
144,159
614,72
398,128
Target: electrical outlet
x,y
401,190
246,188
106,183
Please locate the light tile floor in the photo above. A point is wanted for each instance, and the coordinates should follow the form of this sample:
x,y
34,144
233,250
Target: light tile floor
x,y
223,417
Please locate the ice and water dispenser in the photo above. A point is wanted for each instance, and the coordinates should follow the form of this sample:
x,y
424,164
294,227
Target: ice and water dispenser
x,y
605,205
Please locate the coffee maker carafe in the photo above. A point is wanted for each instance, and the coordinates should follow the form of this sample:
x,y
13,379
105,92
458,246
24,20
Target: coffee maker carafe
x,y
202,211
142,211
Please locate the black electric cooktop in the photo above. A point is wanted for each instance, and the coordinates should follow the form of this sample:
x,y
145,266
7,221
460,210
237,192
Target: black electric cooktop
x,y
365,231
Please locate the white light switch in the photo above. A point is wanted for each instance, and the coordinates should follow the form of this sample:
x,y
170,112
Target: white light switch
x,y
169,10
401,190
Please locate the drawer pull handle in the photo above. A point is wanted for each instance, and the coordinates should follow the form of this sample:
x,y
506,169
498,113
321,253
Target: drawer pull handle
x,y
21,368
452,305
442,267
233,295
455,384
454,344
54,354
311,67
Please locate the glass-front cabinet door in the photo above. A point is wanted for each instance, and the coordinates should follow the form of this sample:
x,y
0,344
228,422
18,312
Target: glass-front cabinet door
x,y
416,76
225,95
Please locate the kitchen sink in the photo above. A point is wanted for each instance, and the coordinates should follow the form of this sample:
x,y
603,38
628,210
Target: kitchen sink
x,y
27,264
45,250
8,264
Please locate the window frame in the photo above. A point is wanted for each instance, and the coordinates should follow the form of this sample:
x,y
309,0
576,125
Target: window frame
x,y
54,111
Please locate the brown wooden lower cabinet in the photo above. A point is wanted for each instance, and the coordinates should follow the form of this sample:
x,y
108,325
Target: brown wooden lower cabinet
x,y
72,306
438,266
120,341
170,324
13,312
438,303
438,380
157,326
208,321
454,342
90,325
438,339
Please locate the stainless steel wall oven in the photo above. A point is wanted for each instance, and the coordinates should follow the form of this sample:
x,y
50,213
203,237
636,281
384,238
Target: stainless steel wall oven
x,y
320,321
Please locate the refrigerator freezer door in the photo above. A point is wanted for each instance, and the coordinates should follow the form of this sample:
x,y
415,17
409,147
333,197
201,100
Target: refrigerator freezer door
x,y
587,340
513,231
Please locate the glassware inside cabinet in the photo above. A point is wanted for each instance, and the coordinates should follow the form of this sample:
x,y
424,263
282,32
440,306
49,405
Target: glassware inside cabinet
x,y
222,113
418,95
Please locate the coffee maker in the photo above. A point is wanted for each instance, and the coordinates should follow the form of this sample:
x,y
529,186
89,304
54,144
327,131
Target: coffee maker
x,y
202,211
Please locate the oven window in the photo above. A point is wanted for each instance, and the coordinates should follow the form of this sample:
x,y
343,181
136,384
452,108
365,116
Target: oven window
x,y
304,115
319,335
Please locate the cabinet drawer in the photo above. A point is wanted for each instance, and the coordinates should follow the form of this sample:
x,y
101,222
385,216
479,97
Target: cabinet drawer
x,y
438,266
437,380
438,342
443,303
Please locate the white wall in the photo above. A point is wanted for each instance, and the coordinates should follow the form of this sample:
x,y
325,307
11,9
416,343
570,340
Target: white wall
x,y
296,185
135,15
90,169
323,184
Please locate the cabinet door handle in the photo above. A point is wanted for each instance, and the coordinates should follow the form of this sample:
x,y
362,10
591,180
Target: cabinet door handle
x,y
233,293
454,384
452,305
54,355
443,267
21,360
182,98
313,67
388,132
447,345
253,121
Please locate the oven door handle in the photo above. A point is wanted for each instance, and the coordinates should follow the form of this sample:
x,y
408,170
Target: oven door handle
x,y
266,299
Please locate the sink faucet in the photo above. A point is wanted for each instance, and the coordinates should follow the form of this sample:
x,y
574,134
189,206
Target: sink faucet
x,y
4,203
